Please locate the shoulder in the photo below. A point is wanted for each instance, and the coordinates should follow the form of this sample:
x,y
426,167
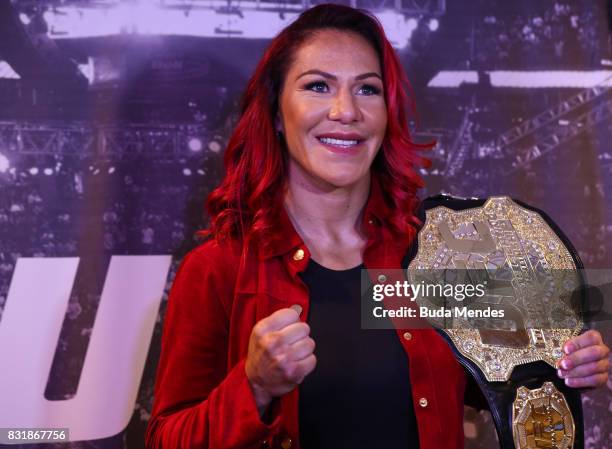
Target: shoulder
x,y
211,268
213,258
225,252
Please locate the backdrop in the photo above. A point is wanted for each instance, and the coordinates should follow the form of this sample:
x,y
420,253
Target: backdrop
x,y
114,116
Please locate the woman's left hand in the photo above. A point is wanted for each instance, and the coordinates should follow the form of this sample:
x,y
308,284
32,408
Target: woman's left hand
x,y
585,363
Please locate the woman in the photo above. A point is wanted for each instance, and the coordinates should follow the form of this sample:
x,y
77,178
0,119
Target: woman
x,y
320,183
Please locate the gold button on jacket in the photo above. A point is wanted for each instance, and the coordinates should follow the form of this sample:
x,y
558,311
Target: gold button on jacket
x,y
299,254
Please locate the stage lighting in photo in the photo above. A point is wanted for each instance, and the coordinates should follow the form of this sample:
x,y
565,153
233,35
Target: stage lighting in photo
x,y
4,163
142,17
7,72
412,24
253,24
48,16
433,24
70,21
88,70
580,79
397,28
187,172
195,144
33,171
48,171
214,146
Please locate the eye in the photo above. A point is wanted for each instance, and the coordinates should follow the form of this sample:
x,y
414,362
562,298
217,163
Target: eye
x,y
317,86
370,89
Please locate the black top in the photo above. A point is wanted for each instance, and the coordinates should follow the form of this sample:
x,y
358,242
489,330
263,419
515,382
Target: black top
x,y
359,394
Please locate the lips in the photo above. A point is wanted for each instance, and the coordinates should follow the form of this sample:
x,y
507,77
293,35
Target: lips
x,y
342,136
343,144
338,142
341,141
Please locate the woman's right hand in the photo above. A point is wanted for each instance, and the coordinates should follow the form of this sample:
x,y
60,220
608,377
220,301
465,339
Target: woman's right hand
x,y
280,355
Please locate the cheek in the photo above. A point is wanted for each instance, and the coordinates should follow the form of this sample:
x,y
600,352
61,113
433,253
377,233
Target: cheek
x,y
376,116
301,114
382,118
298,121
382,126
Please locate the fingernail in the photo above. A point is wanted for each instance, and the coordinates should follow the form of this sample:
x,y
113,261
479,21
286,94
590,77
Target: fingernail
x,y
560,373
297,308
565,364
569,348
568,382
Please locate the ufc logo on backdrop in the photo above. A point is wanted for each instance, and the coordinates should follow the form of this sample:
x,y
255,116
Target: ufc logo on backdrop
x,y
115,359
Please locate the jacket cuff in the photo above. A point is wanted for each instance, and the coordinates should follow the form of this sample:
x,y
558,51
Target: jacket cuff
x,y
250,420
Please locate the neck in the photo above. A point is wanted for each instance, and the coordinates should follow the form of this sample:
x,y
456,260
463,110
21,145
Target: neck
x,y
325,211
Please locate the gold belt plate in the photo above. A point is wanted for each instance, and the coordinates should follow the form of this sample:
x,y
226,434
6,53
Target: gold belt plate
x,y
541,419
518,246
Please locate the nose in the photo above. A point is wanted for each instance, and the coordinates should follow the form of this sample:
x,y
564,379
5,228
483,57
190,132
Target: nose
x,y
344,108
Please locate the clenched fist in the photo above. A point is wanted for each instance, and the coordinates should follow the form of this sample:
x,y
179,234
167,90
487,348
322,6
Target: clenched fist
x,y
280,355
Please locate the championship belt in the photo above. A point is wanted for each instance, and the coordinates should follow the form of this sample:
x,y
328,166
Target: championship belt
x,y
513,364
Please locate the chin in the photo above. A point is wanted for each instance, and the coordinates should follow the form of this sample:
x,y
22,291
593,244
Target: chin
x,y
342,180
326,174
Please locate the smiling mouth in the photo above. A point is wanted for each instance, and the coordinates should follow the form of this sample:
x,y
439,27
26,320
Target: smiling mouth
x,y
340,143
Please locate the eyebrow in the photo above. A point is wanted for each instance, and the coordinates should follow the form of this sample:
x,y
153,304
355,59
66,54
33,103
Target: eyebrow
x,y
335,78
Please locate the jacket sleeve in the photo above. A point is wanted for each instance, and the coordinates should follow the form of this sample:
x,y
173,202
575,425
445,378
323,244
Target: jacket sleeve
x,y
197,402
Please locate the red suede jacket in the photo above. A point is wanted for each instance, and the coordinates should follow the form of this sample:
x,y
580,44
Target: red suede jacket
x,y
202,396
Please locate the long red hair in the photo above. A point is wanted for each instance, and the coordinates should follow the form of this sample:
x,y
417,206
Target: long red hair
x,y
244,204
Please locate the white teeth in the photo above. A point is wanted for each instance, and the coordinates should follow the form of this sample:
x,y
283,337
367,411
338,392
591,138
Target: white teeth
x,y
338,142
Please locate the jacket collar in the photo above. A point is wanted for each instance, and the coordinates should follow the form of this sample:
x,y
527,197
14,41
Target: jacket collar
x,y
287,239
